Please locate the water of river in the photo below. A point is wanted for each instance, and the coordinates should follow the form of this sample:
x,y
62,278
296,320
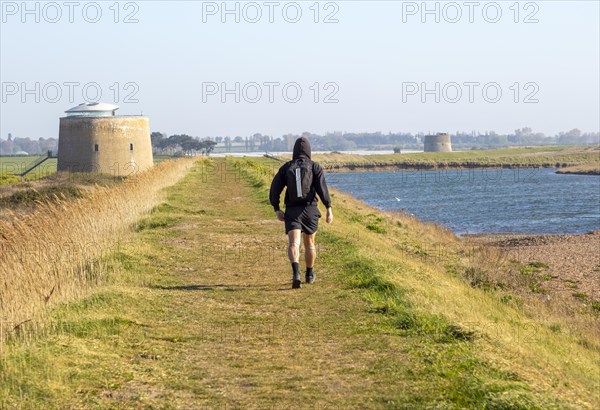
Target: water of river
x,y
483,201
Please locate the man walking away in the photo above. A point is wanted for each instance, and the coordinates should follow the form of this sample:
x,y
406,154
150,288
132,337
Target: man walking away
x,y
303,180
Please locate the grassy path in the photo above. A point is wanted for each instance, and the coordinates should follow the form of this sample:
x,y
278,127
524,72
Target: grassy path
x,y
200,312
204,315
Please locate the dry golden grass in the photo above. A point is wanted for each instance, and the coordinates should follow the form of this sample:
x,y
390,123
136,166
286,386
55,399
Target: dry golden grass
x,y
53,253
81,181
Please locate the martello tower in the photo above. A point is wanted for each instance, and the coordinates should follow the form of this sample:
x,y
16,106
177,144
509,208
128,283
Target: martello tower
x,y
438,143
93,139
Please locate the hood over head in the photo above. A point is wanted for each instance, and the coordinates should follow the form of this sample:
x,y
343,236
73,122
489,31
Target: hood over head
x,y
302,148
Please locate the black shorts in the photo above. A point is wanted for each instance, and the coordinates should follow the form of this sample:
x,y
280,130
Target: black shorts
x,y
305,218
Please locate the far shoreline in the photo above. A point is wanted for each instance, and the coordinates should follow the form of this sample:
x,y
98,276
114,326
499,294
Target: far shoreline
x,y
567,160
452,167
585,169
499,235
563,168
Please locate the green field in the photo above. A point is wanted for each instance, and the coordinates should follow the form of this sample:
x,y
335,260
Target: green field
x,y
11,165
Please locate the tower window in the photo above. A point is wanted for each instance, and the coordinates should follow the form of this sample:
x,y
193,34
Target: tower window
x,y
130,147
96,147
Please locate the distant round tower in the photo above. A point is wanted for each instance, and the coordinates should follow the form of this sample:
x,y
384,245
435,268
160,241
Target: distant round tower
x,y
438,143
93,139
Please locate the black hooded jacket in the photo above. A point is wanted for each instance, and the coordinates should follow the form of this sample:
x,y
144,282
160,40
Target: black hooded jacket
x,y
319,186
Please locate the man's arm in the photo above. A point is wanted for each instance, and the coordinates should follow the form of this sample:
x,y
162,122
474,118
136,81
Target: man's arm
x,y
321,185
276,188
322,191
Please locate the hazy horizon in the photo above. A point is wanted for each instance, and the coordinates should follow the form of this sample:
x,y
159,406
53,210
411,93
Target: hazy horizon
x,y
176,57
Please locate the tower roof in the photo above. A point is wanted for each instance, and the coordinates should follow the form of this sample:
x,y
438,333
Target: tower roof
x,y
93,107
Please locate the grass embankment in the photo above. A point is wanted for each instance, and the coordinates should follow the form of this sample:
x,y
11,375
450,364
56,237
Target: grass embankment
x,y
551,157
24,196
199,311
53,252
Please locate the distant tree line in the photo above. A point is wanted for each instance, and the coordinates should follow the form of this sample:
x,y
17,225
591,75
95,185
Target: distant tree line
x,y
525,136
339,141
23,146
180,144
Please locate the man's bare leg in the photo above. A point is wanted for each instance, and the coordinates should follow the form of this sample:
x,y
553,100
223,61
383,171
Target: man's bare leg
x,y
294,255
310,255
294,245
310,250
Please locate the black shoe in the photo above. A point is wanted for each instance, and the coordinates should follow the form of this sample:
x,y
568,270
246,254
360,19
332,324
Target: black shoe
x,y
296,282
310,278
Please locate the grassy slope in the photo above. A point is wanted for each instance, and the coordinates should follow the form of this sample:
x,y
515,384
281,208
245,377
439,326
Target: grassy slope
x,y
198,311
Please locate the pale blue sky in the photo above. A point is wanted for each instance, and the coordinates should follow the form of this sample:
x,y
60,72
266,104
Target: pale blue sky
x,y
369,54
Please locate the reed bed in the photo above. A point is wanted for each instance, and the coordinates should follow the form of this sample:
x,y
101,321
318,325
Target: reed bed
x,y
54,253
